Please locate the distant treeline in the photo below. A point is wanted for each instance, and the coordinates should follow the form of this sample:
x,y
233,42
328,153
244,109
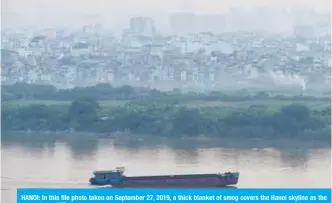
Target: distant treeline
x,y
162,119
21,91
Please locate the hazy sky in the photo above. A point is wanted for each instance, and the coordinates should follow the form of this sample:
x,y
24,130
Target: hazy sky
x,y
57,11
201,6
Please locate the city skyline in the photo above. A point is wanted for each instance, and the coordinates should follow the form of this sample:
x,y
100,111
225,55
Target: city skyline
x,y
38,12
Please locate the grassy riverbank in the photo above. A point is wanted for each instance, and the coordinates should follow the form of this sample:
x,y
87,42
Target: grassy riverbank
x,y
195,103
144,111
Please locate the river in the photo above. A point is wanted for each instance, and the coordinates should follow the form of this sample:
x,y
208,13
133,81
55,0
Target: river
x,y
68,160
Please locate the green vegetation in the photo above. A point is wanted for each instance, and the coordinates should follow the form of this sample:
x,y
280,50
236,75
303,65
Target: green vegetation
x,y
106,109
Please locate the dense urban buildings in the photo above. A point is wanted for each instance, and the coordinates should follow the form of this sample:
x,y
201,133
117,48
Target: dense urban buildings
x,y
204,51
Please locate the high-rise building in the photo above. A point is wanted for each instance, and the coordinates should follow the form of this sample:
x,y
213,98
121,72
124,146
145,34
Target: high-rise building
x,y
142,26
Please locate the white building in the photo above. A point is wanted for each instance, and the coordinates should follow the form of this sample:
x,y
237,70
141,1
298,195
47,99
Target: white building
x,y
220,46
81,48
142,26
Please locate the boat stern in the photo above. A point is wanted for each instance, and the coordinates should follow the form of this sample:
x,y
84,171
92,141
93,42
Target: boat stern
x,y
107,177
93,181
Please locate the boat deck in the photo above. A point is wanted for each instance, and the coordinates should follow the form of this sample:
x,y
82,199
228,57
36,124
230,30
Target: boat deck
x,y
189,176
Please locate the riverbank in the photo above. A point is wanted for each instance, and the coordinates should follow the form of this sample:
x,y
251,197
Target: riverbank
x,y
87,115
106,109
106,92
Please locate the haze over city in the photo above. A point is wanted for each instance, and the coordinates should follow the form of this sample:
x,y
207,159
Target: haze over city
x,y
205,43
114,14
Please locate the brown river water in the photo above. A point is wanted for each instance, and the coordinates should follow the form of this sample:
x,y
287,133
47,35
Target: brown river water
x,y
68,160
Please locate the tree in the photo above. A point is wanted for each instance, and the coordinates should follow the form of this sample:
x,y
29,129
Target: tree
x,y
83,112
187,121
297,112
293,119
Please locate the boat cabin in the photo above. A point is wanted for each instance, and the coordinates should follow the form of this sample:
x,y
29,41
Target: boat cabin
x,y
110,174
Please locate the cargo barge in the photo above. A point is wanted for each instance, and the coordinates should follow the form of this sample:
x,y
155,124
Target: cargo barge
x,y
117,179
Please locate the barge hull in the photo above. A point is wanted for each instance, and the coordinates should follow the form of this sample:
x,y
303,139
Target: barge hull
x,y
117,180
186,181
173,186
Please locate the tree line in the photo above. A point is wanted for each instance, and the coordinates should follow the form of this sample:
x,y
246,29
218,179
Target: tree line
x,y
162,119
22,91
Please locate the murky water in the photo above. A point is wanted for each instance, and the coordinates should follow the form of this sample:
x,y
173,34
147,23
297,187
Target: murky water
x,y
63,160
